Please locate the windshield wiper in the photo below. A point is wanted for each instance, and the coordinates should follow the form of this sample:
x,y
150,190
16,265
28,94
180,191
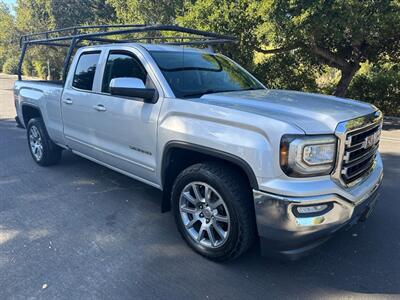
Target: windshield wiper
x,y
199,94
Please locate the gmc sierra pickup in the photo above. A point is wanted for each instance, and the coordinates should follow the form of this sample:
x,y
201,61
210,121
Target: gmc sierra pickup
x,y
236,161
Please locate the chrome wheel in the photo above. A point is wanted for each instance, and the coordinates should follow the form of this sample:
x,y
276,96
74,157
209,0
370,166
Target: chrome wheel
x,y
35,142
204,214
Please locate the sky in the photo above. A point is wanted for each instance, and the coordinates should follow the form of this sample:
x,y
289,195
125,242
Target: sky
x,y
9,2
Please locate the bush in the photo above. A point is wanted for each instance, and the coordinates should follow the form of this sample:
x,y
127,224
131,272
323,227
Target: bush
x,y
379,86
11,66
40,68
287,71
27,68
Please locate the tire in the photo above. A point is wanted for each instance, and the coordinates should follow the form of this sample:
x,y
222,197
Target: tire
x,y
43,150
219,181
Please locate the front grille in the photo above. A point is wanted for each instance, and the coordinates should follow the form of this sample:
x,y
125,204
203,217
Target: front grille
x,y
360,150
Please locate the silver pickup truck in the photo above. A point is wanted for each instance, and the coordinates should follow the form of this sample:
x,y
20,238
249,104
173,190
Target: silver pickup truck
x,y
236,161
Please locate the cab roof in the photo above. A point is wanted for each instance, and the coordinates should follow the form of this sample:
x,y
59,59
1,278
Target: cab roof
x,y
170,48
154,47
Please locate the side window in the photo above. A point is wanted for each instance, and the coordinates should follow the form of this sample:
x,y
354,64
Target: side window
x,y
85,70
121,64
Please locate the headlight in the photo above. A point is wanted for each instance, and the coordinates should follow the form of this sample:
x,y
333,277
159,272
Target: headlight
x,y
305,156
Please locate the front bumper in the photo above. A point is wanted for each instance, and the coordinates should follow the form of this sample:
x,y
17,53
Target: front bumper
x,y
285,232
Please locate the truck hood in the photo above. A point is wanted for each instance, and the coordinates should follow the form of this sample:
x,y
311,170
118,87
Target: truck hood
x,y
313,113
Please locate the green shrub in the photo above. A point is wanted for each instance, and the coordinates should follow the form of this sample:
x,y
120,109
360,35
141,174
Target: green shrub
x,y
40,68
287,71
27,68
379,86
11,66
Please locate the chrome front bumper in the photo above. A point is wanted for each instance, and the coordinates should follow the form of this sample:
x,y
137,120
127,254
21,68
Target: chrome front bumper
x,y
286,232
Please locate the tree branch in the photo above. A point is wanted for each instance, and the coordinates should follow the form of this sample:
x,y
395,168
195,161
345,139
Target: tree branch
x,y
345,79
277,50
332,59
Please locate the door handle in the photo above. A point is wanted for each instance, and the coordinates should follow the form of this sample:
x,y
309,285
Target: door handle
x,y
99,107
67,101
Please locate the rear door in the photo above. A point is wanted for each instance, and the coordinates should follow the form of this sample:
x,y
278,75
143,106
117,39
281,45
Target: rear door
x,y
78,101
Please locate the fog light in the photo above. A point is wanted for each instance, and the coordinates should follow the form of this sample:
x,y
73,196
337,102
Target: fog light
x,y
311,209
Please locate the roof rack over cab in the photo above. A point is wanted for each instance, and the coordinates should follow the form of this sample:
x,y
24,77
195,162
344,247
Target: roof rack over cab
x,y
71,37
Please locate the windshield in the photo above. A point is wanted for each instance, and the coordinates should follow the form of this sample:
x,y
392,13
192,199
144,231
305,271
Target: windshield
x,y
193,74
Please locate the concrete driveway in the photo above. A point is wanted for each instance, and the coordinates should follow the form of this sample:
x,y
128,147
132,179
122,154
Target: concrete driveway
x,y
81,231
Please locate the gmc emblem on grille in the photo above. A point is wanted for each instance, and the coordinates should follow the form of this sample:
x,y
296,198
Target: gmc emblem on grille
x,y
371,139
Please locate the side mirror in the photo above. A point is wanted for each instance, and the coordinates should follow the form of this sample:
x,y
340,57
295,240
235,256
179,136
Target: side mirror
x,y
132,87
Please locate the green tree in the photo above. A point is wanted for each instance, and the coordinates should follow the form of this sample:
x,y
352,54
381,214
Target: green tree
x,y
236,18
43,15
33,16
8,35
316,45
10,65
36,16
341,34
147,11
293,71
80,12
379,84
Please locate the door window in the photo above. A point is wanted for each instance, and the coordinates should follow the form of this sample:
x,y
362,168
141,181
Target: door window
x,y
120,64
85,71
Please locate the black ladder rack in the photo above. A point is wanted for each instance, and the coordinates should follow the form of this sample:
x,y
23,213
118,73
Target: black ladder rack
x,y
71,37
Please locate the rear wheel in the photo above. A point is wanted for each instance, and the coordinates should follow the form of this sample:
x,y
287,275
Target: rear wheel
x,y
213,210
43,150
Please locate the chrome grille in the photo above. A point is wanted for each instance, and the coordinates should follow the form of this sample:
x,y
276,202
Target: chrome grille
x,y
358,146
360,151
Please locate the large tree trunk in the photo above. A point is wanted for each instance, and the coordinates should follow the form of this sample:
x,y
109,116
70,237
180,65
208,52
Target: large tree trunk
x,y
345,79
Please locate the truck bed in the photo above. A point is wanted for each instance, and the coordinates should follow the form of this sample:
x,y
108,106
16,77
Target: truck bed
x,y
43,82
46,86
45,95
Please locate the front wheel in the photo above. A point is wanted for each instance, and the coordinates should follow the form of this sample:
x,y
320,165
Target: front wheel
x,y
43,150
213,210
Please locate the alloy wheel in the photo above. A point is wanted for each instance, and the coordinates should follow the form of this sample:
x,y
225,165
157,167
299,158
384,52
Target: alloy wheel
x,y
204,214
35,142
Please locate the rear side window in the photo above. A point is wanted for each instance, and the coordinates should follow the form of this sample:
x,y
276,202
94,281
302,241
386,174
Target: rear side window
x,y
120,64
85,70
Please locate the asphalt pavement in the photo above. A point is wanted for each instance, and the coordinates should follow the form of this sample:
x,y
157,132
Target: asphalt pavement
x,y
80,231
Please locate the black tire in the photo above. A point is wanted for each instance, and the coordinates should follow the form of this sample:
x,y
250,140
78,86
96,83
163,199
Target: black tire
x,y
236,193
51,153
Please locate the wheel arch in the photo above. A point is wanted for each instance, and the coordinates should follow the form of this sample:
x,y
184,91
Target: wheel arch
x,y
196,153
29,112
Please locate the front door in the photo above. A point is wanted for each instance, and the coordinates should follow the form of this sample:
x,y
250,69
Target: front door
x,y
126,128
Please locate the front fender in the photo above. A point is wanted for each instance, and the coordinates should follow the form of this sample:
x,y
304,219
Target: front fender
x,y
249,144
254,139
209,152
